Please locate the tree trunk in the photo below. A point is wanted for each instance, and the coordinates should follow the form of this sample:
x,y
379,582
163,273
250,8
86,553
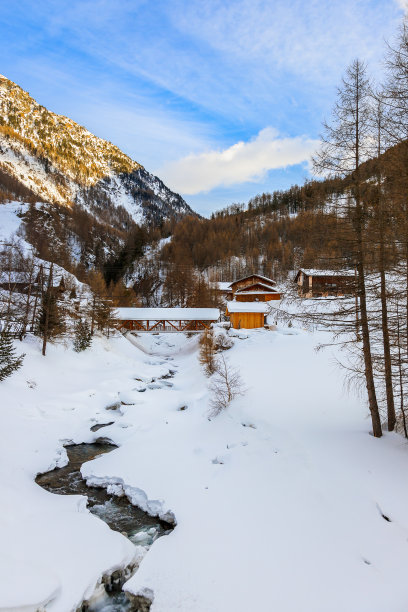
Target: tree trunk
x,y
365,331
47,312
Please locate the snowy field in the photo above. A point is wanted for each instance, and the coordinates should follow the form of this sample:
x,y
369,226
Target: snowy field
x,y
279,501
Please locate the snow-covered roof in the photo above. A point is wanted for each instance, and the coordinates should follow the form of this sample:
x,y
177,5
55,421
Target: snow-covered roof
x,y
168,314
314,272
223,286
268,280
268,288
254,292
248,307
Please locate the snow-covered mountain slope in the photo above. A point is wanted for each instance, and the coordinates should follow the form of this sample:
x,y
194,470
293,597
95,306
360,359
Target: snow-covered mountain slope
x,y
63,163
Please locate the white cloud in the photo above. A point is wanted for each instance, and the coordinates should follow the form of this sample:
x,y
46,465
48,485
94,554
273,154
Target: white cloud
x,y
240,163
403,4
217,54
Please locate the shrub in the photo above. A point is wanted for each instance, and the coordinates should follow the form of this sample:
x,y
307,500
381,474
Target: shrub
x,y
225,386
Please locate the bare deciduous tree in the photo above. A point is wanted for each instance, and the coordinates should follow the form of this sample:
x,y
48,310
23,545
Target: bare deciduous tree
x,y
225,386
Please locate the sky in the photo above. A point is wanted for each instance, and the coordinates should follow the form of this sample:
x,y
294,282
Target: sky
x,y
222,99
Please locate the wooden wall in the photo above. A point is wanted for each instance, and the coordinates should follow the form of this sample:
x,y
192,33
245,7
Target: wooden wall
x,y
259,297
247,320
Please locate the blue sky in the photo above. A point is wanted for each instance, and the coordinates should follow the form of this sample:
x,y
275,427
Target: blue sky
x,y
221,99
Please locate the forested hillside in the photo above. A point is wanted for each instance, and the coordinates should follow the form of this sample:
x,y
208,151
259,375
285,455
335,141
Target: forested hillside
x,y
88,199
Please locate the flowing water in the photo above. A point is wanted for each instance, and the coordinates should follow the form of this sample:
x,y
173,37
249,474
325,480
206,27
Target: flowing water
x,y
117,512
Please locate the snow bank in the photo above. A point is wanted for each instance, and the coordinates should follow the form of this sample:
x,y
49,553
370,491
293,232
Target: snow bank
x,y
52,549
283,502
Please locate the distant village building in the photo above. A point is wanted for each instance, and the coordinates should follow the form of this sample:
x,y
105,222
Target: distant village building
x,y
14,281
325,283
22,282
247,315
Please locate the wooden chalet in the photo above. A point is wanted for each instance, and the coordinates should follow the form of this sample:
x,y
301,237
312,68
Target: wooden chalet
x,y
166,319
252,288
247,315
257,292
325,283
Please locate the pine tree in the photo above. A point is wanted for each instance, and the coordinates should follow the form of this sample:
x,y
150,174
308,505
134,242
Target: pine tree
x,y
83,336
50,320
9,363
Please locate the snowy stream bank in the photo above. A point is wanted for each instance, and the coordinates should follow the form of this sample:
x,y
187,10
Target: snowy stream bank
x,y
139,527
283,502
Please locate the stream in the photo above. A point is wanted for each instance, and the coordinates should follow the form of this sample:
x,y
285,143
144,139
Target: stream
x,y
117,512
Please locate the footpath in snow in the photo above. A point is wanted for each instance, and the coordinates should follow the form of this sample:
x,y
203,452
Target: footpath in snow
x,y
279,501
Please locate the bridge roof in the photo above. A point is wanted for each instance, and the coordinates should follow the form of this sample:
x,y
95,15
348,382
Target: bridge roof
x,y
167,314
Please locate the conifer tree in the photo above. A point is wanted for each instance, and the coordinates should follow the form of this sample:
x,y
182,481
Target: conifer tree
x,y
9,363
83,336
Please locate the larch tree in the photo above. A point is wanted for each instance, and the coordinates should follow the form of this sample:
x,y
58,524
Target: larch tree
x,y
50,323
381,222
343,149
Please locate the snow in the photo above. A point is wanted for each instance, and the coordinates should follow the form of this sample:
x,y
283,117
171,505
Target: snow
x,y
265,278
278,500
168,314
248,307
242,292
10,222
223,286
315,272
267,287
26,167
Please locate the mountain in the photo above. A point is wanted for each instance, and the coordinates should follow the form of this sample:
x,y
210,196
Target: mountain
x,y
55,160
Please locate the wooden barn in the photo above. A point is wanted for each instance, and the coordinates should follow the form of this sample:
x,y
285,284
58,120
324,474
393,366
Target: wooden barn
x,y
166,319
247,315
325,283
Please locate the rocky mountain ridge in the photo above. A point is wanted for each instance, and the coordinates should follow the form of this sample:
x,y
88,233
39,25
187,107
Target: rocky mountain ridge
x,y
61,162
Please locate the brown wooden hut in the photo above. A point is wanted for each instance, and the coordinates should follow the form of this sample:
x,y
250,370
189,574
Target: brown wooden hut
x,y
246,315
325,283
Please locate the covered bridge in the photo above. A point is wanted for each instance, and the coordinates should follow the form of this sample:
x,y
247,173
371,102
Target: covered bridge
x,y
167,319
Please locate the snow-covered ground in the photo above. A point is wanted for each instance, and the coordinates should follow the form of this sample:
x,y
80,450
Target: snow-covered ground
x,y
279,501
